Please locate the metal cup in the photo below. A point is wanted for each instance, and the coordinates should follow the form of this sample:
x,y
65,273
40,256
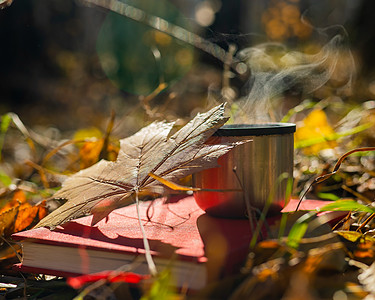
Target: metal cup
x,y
250,172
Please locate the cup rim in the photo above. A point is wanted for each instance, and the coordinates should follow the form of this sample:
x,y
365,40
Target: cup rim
x,y
256,129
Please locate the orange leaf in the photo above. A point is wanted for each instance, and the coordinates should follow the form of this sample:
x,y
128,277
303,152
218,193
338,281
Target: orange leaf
x,y
89,153
18,198
20,217
365,249
29,215
7,221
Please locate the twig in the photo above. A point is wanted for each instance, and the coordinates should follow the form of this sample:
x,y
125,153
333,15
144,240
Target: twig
x,y
11,246
356,194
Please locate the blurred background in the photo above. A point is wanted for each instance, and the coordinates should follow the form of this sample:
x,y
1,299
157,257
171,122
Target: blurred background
x,y
67,65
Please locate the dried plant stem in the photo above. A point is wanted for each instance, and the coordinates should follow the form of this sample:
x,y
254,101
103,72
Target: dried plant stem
x,y
150,261
356,194
11,246
368,220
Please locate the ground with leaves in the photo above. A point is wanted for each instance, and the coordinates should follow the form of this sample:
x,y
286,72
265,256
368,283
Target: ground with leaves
x,y
319,256
309,257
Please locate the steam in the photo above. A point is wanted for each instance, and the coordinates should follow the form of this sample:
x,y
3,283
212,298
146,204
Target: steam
x,y
274,70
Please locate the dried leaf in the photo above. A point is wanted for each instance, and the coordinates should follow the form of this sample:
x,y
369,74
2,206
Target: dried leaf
x,y
95,145
17,216
29,215
89,153
7,221
18,198
5,3
107,185
361,247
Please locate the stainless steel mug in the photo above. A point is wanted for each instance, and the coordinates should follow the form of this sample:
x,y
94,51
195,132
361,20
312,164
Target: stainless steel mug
x,y
250,172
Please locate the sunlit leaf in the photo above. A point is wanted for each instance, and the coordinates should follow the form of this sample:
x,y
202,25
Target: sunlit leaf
x,y
7,218
315,125
18,214
93,147
89,153
29,215
353,236
18,198
88,133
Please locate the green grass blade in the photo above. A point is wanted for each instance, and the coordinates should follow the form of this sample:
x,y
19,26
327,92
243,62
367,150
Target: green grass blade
x,y
299,229
284,217
4,125
347,205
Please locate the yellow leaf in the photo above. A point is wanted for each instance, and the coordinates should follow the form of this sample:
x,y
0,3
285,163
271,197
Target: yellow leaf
x,y
88,133
315,126
172,185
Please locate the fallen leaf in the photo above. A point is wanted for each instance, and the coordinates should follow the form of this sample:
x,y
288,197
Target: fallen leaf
x,y
361,247
89,153
20,217
316,131
7,221
18,198
96,145
107,185
29,215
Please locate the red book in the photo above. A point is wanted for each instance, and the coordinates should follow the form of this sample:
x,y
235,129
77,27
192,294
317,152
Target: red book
x,y
198,248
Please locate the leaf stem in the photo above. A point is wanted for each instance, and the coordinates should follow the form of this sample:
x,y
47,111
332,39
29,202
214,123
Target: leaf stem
x,y
149,260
